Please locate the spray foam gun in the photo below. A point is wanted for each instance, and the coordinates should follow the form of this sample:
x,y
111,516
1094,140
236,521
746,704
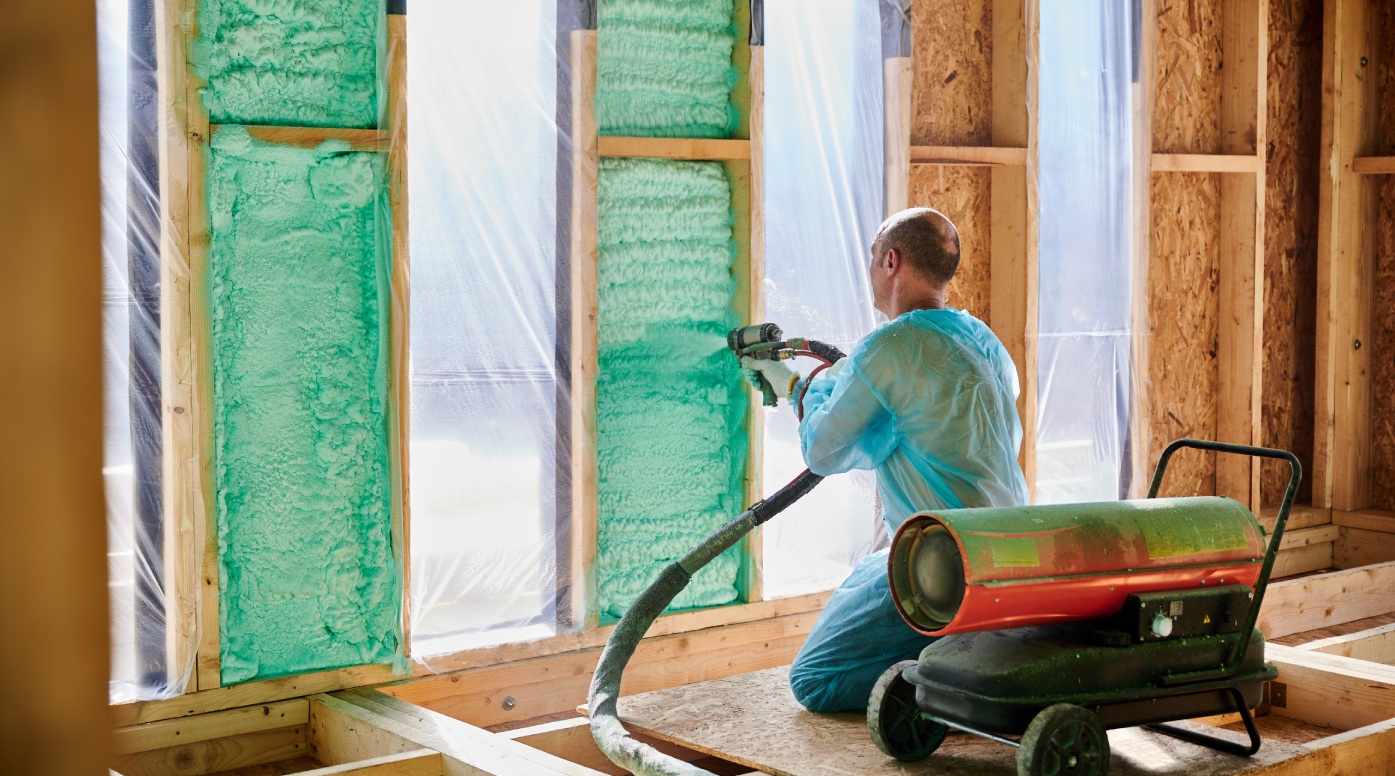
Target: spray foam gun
x,y
764,340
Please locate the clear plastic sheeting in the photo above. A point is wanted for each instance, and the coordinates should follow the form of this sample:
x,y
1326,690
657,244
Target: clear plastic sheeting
x,y
823,203
144,658
1088,252
483,139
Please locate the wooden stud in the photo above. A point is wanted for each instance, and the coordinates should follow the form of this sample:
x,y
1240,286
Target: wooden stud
x,y
206,727
1332,690
180,376
1224,163
897,73
216,755
400,350
1373,165
1358,547
419,762
1365,750
1367,520
1302,560
750,300
1342,439
1309,603
310,137
1375,645
337,736
585,360
1014,207
1140,442
970,156
674,148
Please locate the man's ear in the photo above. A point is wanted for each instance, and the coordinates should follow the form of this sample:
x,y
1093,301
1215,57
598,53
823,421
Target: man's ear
x,y
893,260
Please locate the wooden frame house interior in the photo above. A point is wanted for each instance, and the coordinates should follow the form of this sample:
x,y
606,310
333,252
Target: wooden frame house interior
x,y
1264,314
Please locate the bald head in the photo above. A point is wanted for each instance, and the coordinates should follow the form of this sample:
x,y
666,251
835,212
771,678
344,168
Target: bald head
x,y
925,240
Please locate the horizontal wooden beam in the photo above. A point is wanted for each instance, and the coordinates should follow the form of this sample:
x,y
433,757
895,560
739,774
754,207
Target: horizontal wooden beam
x,y
1224,163
1306,537
1373,165
200,758
969,156
1302,560
419,762
137,712
1376,645
219,724
674,148
1298,605
1362,750
1357,547
309,137
1381,520
1330,690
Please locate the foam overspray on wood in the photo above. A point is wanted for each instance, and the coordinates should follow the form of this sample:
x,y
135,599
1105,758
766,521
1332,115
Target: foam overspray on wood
x,y
670,403
298,285
310,63
664,68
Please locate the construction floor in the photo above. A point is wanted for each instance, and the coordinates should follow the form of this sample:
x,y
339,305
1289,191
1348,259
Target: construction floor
x,y
753,720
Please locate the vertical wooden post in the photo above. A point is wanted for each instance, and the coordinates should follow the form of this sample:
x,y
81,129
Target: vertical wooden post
x,y
1245,43
1140,422
1015,207
897,73
584,248
54,658
1346,213
400,369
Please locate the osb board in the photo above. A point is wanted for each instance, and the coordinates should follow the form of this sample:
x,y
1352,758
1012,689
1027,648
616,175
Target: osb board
x,y
1290,238
951,89
1183,313
1187,96
753,719
962,193
1383,289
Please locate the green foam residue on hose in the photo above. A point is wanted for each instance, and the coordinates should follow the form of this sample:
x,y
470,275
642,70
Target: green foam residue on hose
x,y
308,63
298,283
664,69
671,404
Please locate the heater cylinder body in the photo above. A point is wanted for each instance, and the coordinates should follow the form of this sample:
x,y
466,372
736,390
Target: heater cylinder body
x,y
957,571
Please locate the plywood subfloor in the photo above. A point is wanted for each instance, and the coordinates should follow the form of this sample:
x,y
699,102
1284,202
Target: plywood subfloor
x,y
753,719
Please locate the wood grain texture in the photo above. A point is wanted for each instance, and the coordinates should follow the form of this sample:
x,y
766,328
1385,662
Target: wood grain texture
x,y
1383,322
1187,96
1290,241
1183,309
951,89
964,195
216,755
1325,600
753,719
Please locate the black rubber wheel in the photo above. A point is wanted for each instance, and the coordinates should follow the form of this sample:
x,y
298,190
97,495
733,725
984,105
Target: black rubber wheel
x,y
1064,740
897,727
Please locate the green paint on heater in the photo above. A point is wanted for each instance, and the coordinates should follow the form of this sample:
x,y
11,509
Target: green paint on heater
x,y
670,401
310,63
664,69
298,282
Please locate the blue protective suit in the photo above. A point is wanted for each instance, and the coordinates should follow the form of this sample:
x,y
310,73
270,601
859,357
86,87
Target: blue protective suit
x,y
928,401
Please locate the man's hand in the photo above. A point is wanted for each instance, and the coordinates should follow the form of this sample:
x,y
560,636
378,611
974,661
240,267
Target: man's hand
x,y
780,377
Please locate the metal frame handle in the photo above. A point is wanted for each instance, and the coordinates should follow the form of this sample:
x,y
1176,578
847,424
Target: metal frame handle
x,y
1232,664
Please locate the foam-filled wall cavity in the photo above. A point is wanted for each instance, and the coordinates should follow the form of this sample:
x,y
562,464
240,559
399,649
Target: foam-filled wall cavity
x,y
664,68
670,403
298,280
311,63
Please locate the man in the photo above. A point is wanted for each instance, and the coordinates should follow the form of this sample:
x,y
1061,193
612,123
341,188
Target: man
x,y
928,401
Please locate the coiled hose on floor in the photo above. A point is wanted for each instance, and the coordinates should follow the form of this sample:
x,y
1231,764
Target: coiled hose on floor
x,y
610,735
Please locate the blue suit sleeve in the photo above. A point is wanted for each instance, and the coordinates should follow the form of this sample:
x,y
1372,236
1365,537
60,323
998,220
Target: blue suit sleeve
x,y
846,426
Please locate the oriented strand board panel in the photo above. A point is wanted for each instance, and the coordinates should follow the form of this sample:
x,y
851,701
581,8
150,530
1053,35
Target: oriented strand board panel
x,y
962,193
951,87
1383,289
1290,247
753,719
1187,100
298,285
1183,313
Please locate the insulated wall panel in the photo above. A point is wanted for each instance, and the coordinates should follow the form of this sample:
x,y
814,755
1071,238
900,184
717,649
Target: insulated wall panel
x,y
298,283
312,63
670,406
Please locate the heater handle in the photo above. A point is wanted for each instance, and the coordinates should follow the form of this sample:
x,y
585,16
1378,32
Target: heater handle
x,y
1232,665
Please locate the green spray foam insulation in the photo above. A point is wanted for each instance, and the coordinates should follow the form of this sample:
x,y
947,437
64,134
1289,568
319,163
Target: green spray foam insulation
x,y
298,285
311,63
663,68
670,402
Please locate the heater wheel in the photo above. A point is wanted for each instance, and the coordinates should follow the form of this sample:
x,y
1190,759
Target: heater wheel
x,y
897,726
1064,740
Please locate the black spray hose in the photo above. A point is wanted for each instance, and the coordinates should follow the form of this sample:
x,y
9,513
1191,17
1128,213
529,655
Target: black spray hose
x,y
611,736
